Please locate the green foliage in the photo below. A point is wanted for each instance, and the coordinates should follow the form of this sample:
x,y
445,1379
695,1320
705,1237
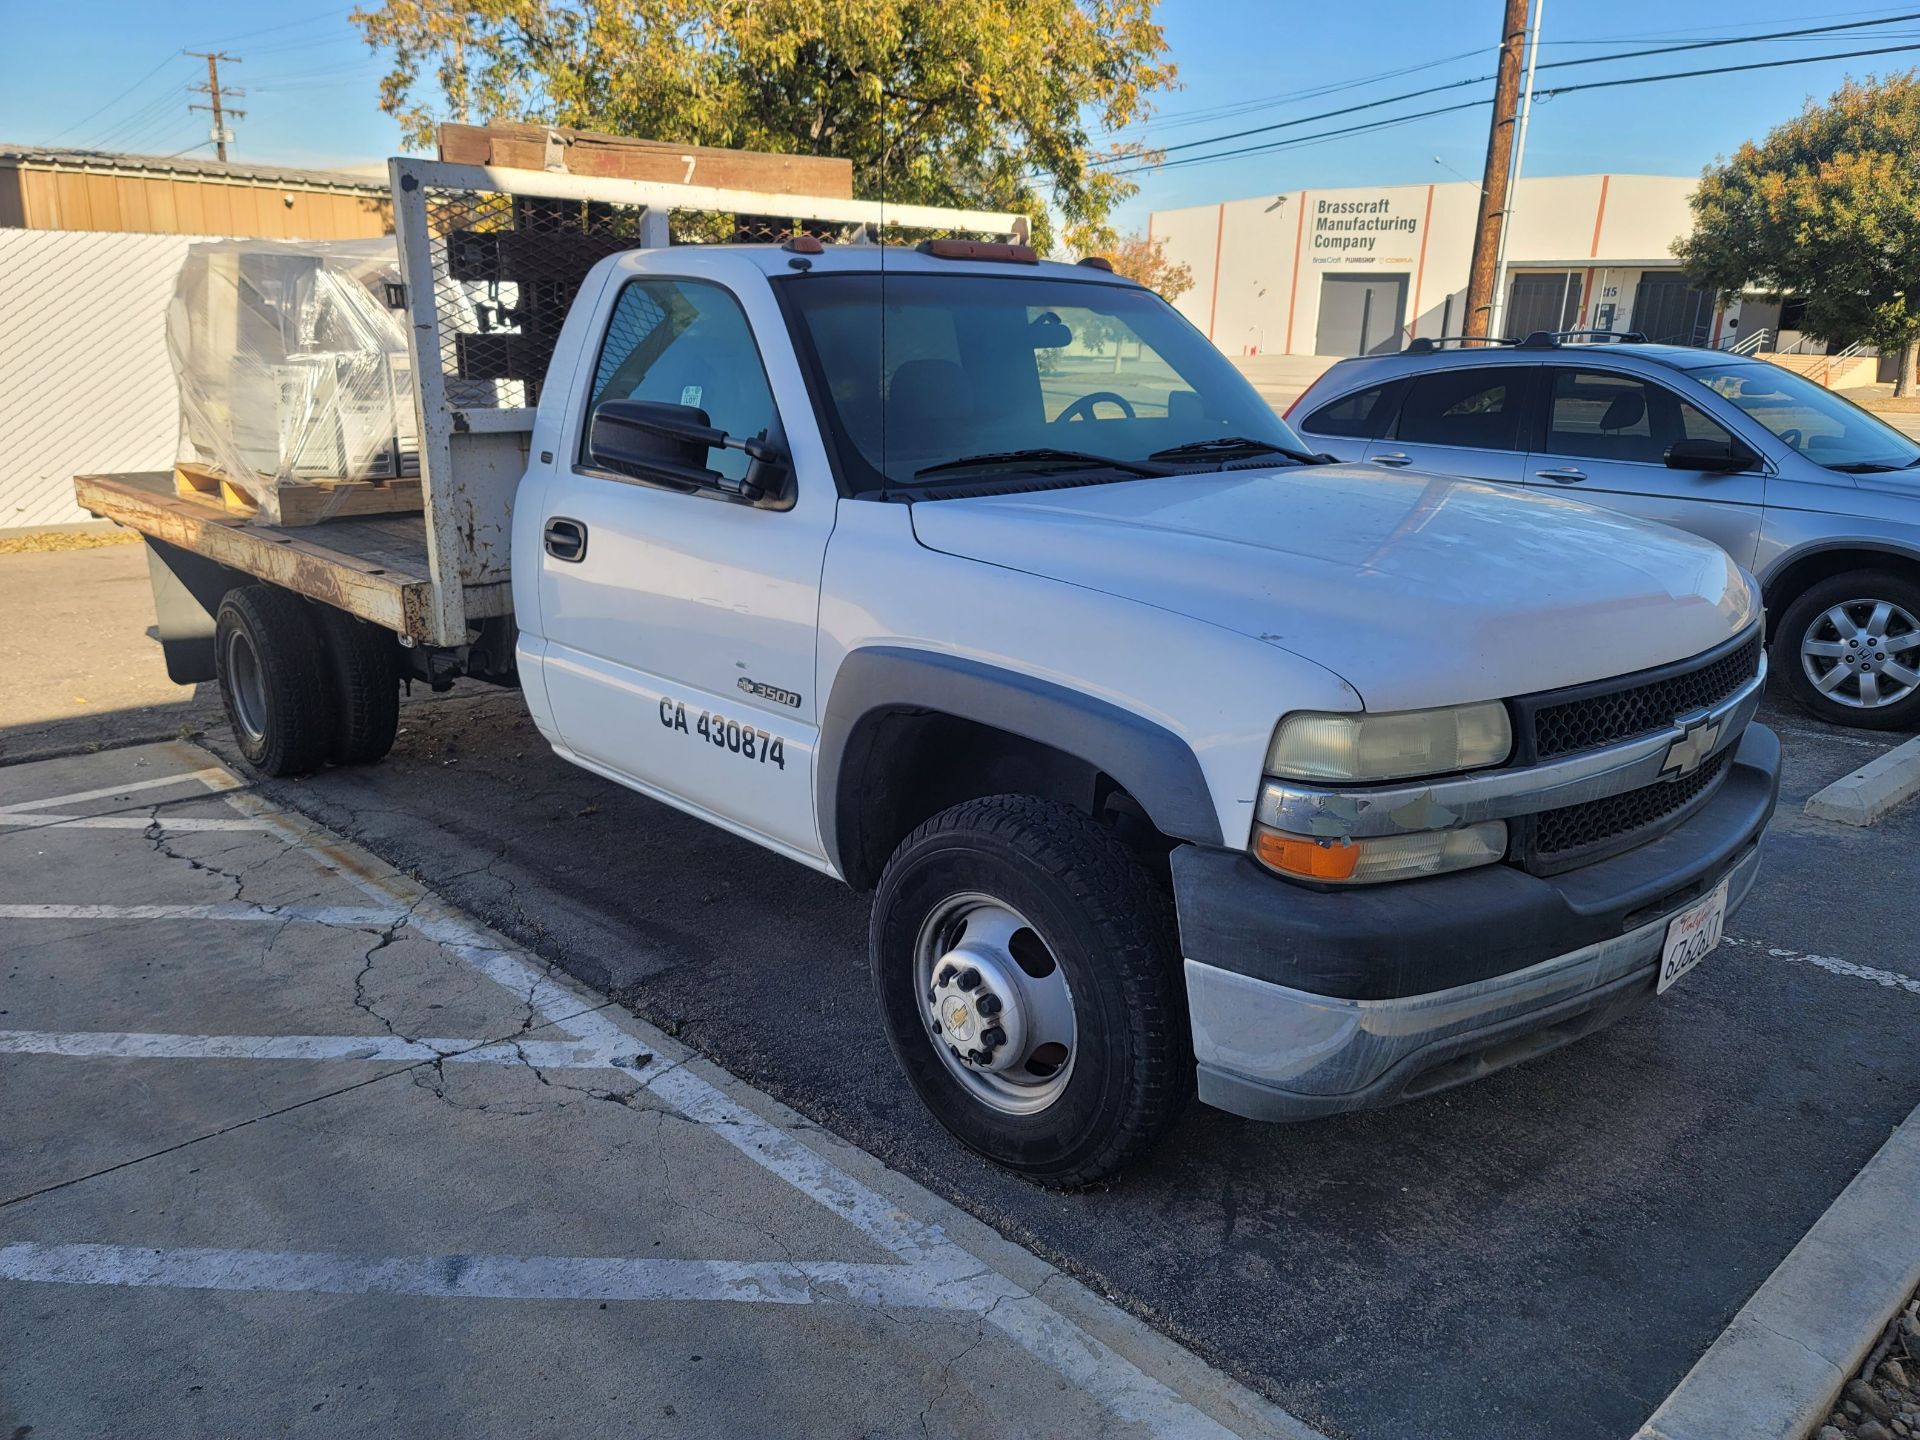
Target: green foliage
x,y
1827,207
982,104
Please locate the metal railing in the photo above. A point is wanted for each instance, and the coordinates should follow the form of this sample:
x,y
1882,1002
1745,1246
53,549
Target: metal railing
x,y
1761,339
1824,375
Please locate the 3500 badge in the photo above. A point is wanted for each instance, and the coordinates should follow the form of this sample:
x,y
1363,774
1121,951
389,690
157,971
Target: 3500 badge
x,y
724,734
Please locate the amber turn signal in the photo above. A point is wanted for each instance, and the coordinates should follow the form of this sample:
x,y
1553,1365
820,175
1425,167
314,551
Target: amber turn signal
x,y
1309,859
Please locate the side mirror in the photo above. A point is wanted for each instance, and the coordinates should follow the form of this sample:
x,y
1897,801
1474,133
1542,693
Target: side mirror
x,y
653,440
1716,456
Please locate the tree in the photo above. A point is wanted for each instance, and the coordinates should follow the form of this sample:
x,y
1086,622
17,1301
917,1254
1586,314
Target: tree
x,y
1144,260
987,103
1827,207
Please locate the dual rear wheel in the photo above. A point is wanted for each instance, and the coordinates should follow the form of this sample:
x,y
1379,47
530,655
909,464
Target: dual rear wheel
x,y
304,684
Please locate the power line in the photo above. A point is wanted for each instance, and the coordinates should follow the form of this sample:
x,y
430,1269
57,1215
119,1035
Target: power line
x,y
1723,70
116,99
1734,40
1481,79
1298,140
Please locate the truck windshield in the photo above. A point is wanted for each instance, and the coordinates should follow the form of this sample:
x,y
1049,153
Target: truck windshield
x,y
1815,421
932,380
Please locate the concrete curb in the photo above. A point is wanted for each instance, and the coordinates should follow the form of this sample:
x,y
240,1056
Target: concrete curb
x,y
1875,788
1774,1373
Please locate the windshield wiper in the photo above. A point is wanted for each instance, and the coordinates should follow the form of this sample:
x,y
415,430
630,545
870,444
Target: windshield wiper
x,y
1230,444
1865,467
1042,455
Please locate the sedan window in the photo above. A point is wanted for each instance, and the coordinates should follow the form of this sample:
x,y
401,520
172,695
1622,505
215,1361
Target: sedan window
x,y
1603,415
1822,426
1359,416
1476,408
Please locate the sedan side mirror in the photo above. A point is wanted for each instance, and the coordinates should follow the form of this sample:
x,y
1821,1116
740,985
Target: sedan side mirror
x,y
1715,456
653,440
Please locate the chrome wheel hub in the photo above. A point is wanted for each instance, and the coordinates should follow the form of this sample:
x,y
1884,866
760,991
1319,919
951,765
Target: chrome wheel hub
x,y
996,1003
1863,653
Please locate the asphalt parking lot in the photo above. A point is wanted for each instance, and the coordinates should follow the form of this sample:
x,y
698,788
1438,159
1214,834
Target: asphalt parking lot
x,y
1545,1252
293,1148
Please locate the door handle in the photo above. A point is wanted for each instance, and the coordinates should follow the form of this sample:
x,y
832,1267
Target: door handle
x,y
1566,475
1393,459
566,539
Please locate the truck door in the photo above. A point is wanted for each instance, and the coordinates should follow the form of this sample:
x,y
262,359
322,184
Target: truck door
x,y
678,626
1604,440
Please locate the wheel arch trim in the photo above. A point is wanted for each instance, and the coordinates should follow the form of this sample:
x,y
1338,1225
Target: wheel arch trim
x,y
1157,767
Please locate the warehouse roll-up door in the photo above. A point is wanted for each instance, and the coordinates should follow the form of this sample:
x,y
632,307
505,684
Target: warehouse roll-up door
x,y
1669,311
1542,300
1361,314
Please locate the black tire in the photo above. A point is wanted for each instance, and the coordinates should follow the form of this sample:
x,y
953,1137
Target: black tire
x,y
1805,619
365,667
267,649
1110,928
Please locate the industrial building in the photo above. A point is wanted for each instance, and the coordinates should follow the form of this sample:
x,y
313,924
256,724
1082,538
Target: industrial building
x,y
1365,270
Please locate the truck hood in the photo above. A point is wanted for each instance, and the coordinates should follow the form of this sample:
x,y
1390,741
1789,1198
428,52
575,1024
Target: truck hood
x,y
1416,590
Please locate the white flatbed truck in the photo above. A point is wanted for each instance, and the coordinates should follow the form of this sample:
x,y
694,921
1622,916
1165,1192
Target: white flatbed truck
x,y
1176,756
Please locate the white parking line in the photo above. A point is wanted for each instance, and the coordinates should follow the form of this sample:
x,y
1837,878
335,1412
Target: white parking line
x,y
345,915
496,1277
39,820
209,779
379,1049
1832,964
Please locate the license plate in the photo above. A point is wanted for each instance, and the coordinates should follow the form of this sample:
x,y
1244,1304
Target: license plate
x,y
1692,935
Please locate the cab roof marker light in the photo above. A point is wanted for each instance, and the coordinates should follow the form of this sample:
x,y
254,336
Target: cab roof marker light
x,y
1006,254
1097,262
804,245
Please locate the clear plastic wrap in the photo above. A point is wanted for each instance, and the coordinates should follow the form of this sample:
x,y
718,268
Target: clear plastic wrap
x,y
291,364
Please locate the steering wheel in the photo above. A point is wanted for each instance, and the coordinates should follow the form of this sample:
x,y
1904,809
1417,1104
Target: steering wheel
x,y
1082,409
1792,438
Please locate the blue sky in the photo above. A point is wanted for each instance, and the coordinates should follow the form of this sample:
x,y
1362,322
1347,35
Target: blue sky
x,y
111,76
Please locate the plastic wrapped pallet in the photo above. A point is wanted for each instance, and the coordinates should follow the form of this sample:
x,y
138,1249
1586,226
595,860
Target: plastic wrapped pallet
x,y
291,364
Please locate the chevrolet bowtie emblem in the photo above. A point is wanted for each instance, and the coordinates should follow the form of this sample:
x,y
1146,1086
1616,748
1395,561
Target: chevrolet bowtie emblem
x,y
1685,755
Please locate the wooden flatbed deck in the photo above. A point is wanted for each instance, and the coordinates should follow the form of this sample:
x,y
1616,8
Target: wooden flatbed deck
x,y
375,568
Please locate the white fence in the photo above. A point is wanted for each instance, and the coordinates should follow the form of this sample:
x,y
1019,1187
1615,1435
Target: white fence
x,y
85,384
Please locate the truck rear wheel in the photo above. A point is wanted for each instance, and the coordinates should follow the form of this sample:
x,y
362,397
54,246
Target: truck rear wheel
x,y
274,679
1027,974
366,687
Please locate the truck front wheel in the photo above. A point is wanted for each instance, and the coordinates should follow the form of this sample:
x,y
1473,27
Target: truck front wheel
x,y
274,680
1028,976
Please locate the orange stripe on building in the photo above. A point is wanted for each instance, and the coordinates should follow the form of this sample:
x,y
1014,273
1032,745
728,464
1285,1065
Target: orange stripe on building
x,y
1293,293
1219,233
1599,215
1420,270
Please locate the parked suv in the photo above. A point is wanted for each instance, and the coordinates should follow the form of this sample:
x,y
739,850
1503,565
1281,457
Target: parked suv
x,y
1818,498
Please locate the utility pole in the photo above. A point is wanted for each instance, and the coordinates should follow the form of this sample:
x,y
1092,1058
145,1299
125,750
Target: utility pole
x,y
1493,184
1499,310
218,133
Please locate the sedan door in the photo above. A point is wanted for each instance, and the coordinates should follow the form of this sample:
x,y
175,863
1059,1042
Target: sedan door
x,y
1465,421
1603,438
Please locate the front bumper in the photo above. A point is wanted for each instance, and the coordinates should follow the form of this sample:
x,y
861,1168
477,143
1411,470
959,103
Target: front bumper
x,y
1309,1003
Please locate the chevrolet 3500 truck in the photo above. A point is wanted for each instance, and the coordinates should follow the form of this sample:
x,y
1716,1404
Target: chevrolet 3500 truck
x,y
1173,754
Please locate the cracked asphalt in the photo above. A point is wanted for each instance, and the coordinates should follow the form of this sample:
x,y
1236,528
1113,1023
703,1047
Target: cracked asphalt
x,y
1547,1251
294,1148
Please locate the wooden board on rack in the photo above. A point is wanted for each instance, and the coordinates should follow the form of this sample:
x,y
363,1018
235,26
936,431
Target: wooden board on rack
x,y
298,502
622,157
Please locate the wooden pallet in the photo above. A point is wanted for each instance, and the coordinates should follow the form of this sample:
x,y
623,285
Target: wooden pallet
x,y
298,502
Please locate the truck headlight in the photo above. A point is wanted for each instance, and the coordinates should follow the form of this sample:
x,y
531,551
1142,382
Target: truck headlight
x,y
1385,857
1363,747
